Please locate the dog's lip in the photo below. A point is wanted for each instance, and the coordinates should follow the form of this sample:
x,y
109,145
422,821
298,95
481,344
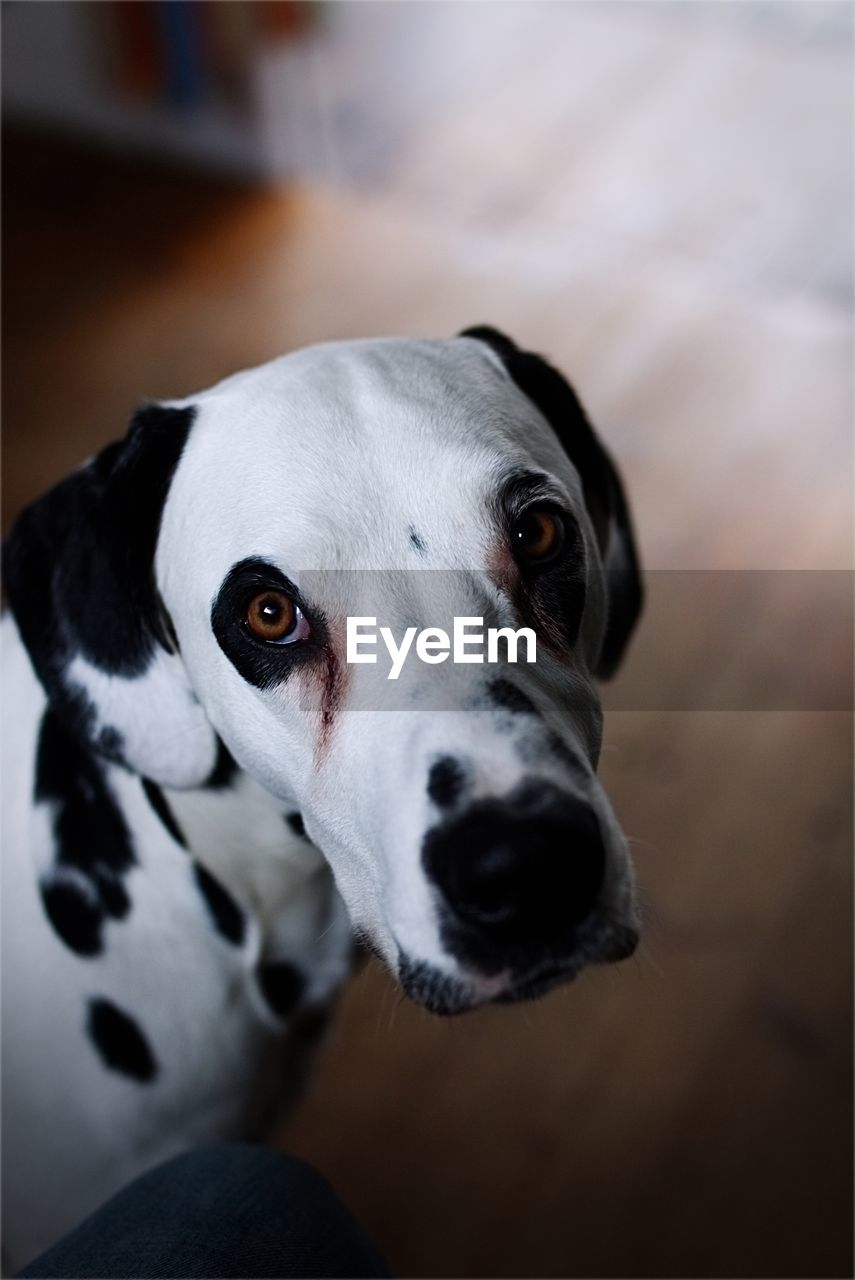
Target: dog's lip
x,y
619,945
449,995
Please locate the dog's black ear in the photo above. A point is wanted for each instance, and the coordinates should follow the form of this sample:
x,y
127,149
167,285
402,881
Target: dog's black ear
x,y
604,495
78,568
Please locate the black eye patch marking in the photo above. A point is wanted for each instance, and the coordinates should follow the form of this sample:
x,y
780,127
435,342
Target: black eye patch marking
x,y
417,540
119,1041
295,822
159,803
503,693
282,985
225,913
445,781
263,665
92,840
224,771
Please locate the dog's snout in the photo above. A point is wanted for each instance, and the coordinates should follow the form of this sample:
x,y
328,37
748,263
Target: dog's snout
x,y
524,870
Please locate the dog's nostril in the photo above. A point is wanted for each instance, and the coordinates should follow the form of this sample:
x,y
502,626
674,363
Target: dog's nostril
x,y
517,874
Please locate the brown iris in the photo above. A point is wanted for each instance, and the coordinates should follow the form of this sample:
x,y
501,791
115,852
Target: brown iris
x,y
271,615
538,535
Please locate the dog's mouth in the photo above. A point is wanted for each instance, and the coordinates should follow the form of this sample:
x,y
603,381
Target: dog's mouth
x,y
449,994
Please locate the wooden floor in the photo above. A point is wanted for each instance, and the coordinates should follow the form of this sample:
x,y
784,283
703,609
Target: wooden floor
x,y
658,196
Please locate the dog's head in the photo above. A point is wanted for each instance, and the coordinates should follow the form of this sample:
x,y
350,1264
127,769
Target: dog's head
x,y
190,587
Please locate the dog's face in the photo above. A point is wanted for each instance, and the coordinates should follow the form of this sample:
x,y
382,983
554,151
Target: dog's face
x,y
412,482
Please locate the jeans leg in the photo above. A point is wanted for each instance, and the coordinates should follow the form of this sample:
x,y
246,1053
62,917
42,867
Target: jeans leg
x,y
226,1211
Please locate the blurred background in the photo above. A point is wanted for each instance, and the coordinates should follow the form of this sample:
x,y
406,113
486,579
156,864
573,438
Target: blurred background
x,y
658,196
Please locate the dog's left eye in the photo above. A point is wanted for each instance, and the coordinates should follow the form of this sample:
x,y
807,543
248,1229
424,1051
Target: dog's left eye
x,y
537,536
272,616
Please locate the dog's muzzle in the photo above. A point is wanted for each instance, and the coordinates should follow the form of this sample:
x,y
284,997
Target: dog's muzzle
x,y
519,883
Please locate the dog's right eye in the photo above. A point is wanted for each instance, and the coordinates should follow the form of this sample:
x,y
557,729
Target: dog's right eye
x,y
272,616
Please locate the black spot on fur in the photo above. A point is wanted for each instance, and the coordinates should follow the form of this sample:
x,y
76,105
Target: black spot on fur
x,y
115,898
418,541
78,563
91,836
282,984
445,781
225,912
74,917
119,1041
508,696
110,743
159,803
295,822
224,771
79,716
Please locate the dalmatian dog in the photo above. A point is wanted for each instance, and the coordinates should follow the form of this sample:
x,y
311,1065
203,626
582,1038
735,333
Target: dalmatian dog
x,y
204,802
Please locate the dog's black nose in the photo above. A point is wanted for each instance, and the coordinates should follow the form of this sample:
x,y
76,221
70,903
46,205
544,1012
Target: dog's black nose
x,y
522,871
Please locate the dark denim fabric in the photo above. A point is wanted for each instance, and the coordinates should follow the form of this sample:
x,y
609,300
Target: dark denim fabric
x,y
240,1211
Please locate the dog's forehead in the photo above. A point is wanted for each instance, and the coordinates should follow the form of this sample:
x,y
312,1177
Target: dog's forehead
x,y
354,399
339,451
348,372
